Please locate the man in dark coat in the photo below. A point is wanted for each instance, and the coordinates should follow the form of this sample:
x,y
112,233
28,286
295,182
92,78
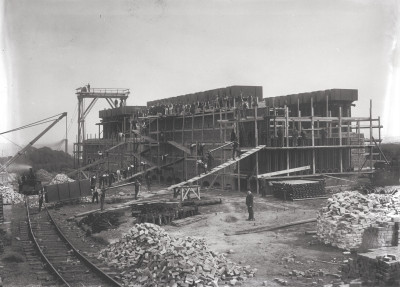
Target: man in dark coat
x,y
249,203
137,187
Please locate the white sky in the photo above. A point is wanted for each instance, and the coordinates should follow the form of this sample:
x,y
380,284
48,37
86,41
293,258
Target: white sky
x,y
161,49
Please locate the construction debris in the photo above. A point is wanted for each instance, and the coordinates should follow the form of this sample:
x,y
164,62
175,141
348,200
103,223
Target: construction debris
x,y
158,258
10,196
60,178
348,214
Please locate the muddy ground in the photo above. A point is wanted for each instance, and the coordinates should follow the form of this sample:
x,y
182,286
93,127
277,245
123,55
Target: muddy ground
x,y
275,253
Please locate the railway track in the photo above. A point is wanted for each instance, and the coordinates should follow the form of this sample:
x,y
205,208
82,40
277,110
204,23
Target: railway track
x,y
65,262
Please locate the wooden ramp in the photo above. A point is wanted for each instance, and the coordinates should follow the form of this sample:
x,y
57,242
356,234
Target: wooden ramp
x,y
181,147
218,168
146,138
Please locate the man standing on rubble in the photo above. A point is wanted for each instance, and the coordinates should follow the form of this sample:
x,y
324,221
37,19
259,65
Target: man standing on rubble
x,y
95,194
249,203
40,200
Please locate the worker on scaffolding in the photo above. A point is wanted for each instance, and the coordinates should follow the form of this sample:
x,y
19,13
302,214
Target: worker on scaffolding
x,y
200,149
281,138
235,146
137,188
201,166
295,136
323,134
303,135
210,160
148,180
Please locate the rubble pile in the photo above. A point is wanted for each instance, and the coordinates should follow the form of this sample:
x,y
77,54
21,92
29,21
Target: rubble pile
x,y
60,178
10,196
44,175
147,255
348,214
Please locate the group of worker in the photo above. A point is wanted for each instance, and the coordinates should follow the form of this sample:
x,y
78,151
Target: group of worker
x,y
298,139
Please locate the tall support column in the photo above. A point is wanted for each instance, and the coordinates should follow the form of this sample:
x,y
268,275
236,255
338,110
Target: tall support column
x,y
312,135
66,134
287,136
340,140
379,136
238,163
158,150
256,140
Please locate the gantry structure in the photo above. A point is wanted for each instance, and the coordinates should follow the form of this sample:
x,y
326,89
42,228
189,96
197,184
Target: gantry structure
x,y
113,96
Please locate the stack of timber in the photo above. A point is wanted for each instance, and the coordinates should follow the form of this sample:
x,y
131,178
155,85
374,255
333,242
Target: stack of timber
x,y
349,214
298,189
10,196
380,267
161,213
148,256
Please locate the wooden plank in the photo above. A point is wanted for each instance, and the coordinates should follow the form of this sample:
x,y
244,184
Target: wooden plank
x,y
181,147
269,174
215,169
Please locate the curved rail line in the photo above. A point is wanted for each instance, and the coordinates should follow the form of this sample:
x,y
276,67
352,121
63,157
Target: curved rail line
x,y
70,266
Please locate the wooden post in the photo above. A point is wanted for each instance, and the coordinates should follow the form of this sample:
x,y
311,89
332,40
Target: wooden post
x,y
192,127
379,136
358,143
370,135
238,163
184,164
340,139
256,140
287,136
312,135
158,151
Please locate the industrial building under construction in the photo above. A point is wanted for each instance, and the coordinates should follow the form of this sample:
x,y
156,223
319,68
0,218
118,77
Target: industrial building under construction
x,y
283,137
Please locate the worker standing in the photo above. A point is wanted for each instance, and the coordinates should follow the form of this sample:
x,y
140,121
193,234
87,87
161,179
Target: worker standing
x,y
137,188
95,194
280,137
209,160
102,198
249,203
40,200
295,136
235,146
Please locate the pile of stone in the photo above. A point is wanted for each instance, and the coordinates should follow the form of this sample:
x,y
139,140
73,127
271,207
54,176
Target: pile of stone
x,y
10,196
147,256
60,178
44,175
348,214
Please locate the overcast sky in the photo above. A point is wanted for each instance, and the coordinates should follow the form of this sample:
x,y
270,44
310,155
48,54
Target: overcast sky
x,y
161,49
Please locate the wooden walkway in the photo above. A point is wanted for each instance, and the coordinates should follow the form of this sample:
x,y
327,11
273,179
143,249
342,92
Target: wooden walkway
x,y
218,168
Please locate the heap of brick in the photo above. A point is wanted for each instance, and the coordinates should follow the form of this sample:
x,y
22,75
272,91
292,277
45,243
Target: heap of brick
x,y
147,255
380,267
343,221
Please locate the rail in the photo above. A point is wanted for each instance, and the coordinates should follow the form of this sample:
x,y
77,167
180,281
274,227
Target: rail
x,y
52,268
80,256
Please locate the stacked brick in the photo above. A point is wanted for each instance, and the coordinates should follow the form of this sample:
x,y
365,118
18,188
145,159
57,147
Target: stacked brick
x,y
380,267
298,189
348,214
148,256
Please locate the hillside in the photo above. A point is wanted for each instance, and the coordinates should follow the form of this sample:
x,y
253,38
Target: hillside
x,y
42,158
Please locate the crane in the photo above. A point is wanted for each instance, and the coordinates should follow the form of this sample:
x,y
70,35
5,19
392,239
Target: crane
x,y
18,154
